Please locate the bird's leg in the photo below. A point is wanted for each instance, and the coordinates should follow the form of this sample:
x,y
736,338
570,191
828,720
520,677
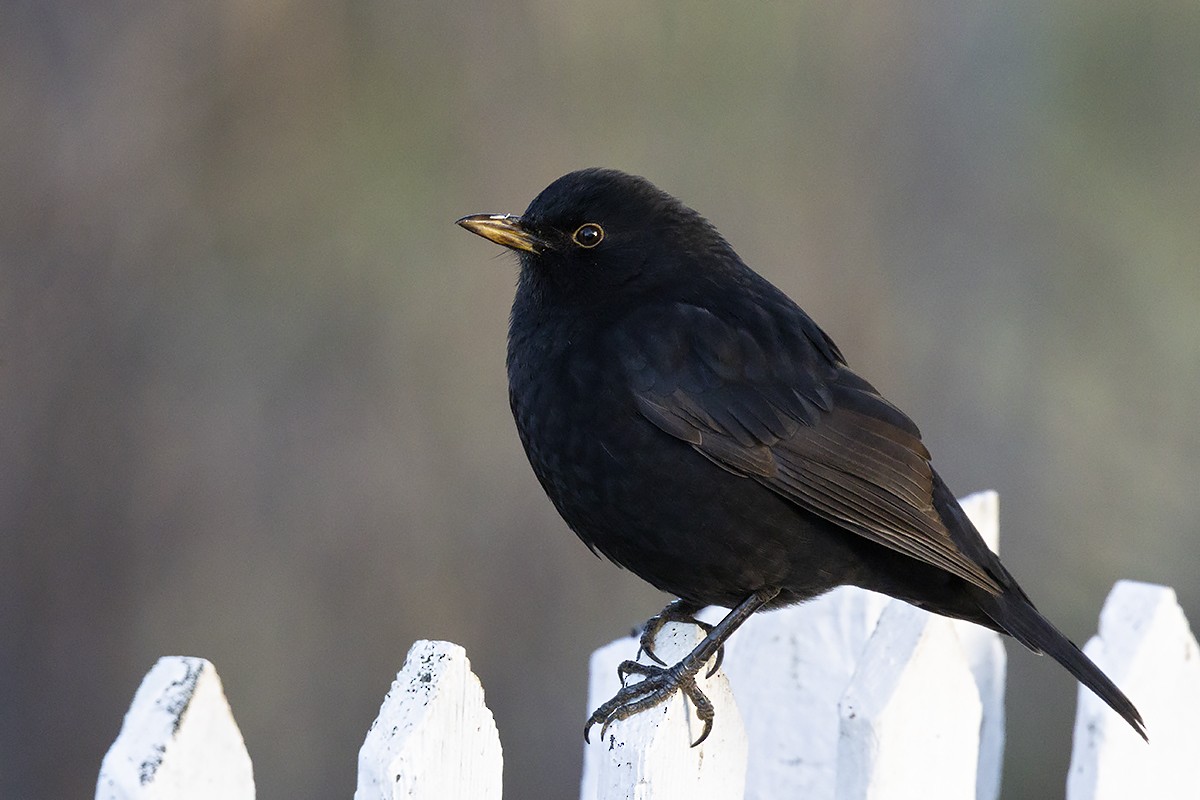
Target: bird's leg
x,y
677,611
659,683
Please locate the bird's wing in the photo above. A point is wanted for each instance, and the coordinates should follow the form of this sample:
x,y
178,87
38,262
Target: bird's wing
x,y
776,403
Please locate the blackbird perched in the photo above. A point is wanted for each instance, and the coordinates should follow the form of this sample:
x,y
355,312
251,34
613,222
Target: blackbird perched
x,y
694,425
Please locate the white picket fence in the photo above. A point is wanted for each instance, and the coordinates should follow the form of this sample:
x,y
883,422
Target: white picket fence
x,y
851,696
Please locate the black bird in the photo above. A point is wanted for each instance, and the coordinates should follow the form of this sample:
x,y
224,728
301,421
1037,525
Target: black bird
x,y
694,425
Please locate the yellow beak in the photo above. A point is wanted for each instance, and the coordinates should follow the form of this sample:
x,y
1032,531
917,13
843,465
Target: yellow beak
x,y
503,229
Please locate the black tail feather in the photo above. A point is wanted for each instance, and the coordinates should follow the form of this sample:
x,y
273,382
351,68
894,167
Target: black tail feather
x,y
1015,615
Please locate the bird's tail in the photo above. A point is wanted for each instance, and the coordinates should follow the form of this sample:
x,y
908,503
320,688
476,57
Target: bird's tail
x,y
1014,613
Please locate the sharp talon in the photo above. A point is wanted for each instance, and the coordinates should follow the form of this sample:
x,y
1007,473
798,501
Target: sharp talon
x,y
704,709
650,654
646,643
604,729
677,611
628,668
718,659
704,734
604,715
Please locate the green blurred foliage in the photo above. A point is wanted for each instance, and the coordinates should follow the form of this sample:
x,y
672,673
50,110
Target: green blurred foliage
x,y
252,399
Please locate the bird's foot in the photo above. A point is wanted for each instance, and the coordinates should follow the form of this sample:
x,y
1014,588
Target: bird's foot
x,y
657,685
677,611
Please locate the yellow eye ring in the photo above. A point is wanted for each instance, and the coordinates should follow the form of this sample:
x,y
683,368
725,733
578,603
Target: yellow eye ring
x,y
588,235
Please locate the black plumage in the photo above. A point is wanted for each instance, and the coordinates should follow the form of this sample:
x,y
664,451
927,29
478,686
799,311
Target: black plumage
x,y
694,425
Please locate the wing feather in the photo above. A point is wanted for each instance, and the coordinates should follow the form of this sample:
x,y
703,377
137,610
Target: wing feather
x,y
799,422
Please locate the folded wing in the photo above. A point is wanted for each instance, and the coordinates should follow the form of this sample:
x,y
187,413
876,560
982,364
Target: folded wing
x,y
776,403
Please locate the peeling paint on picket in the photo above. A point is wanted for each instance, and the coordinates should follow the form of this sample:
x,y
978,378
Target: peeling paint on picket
x,y
179,740
434,738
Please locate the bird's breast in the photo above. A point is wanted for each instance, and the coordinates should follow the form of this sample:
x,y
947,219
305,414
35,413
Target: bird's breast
x,y
571,409
643,498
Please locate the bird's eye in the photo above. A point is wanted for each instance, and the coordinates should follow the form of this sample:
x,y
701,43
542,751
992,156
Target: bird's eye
x,y
588,235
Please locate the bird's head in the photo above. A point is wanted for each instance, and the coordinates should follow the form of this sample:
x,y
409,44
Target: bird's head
x,y
599,233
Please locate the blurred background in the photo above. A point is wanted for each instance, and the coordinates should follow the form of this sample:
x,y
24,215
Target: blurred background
x,y
252,394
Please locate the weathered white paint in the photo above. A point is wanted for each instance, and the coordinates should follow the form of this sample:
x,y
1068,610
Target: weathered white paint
x,y
910,716
1147,648
788,669
985,654
648,756
178,741
434,738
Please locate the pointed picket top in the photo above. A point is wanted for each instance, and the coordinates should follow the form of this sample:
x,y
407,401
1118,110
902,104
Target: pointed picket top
x,y
788,669
1147,648
648,756
985,654
984,510
795,664
910,717
178,741
434,738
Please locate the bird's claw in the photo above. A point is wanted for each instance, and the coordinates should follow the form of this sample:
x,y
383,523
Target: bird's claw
x,y
678,611
656,686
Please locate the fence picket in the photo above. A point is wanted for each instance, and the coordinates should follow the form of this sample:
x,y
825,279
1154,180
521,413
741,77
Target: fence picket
x,y
1147,648
434,738
985,654
648,757
910,717
789,668
178,741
